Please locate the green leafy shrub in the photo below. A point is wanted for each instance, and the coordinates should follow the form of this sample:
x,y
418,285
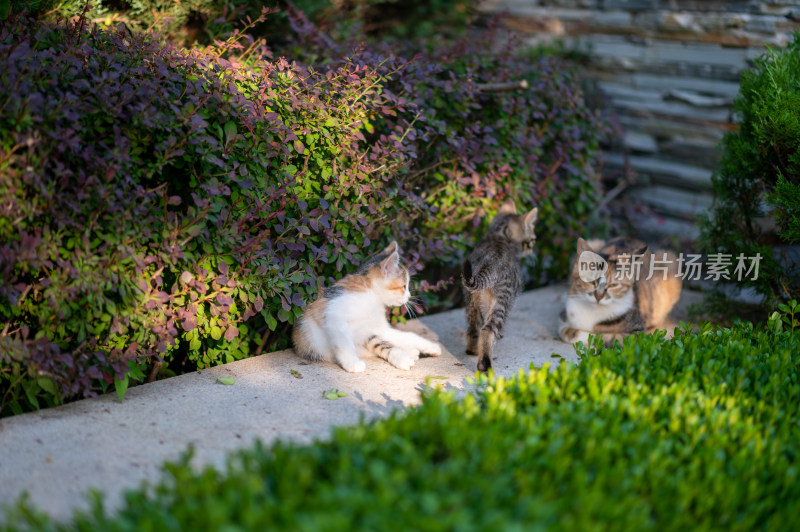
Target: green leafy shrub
x,y
181,206
699,432
151,208
468,146
758,183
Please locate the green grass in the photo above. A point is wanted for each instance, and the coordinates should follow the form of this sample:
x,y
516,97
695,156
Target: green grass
x,y
699,432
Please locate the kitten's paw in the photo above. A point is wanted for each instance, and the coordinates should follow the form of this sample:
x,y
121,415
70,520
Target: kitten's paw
x,y
610,339
401,359
484,363
568,334
572,336
430,349
354,366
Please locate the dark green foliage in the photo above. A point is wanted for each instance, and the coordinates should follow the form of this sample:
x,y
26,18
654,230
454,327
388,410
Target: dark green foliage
x,y
759,179
183,21
700,432
785,199
193,21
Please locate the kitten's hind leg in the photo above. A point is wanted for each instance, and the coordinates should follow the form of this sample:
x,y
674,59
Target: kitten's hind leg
x,y
474,322
344,349
609,339
491,331
390,353
616,330
486,341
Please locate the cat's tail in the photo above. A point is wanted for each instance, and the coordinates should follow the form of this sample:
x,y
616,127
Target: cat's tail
x,y
476,281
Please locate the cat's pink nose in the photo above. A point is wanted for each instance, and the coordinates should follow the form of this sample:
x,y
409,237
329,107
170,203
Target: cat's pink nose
x,y
598,295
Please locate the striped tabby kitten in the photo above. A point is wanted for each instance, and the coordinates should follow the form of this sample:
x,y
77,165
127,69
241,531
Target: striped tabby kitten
x,y
616,304
492,279
350,318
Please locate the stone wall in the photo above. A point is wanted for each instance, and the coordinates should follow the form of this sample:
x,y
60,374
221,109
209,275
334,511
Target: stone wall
x,y
670,70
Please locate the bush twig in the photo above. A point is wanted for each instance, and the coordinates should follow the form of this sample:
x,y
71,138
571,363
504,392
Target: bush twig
x,y
505,86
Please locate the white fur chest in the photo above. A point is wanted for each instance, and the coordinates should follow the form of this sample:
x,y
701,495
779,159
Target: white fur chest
x,y
360,312
584,313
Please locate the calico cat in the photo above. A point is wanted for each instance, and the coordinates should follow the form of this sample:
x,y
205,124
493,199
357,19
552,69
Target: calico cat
x,y
618,302
492,279
349,318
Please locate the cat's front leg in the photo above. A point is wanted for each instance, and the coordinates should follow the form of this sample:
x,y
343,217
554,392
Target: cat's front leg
x,y
572,335
386,350
413,343
568,333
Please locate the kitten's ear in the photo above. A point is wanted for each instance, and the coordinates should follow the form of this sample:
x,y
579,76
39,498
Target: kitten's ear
x,y
646,254
641,253
391,248
583,246
531,218
508,207
390,264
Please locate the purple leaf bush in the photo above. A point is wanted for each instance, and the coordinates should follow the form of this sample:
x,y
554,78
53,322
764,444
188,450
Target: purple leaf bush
x,y
161,205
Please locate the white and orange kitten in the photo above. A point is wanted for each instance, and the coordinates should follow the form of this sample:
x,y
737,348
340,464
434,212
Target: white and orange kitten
x,y
349,318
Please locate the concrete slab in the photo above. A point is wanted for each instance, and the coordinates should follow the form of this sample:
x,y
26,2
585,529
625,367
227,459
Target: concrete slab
x,y
58,455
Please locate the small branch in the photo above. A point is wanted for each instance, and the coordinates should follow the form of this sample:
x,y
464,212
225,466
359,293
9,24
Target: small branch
x,y
154,372
616,191
263,342
502,87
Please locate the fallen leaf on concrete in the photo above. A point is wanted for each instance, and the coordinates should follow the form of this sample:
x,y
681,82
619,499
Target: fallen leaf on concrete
x,y
333,394
296,374
225,380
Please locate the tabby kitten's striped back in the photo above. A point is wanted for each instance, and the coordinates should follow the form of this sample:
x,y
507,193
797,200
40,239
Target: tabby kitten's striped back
x,y
492,279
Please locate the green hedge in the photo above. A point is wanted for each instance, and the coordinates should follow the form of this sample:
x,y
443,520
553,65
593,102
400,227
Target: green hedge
x,y
700,432
757,188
